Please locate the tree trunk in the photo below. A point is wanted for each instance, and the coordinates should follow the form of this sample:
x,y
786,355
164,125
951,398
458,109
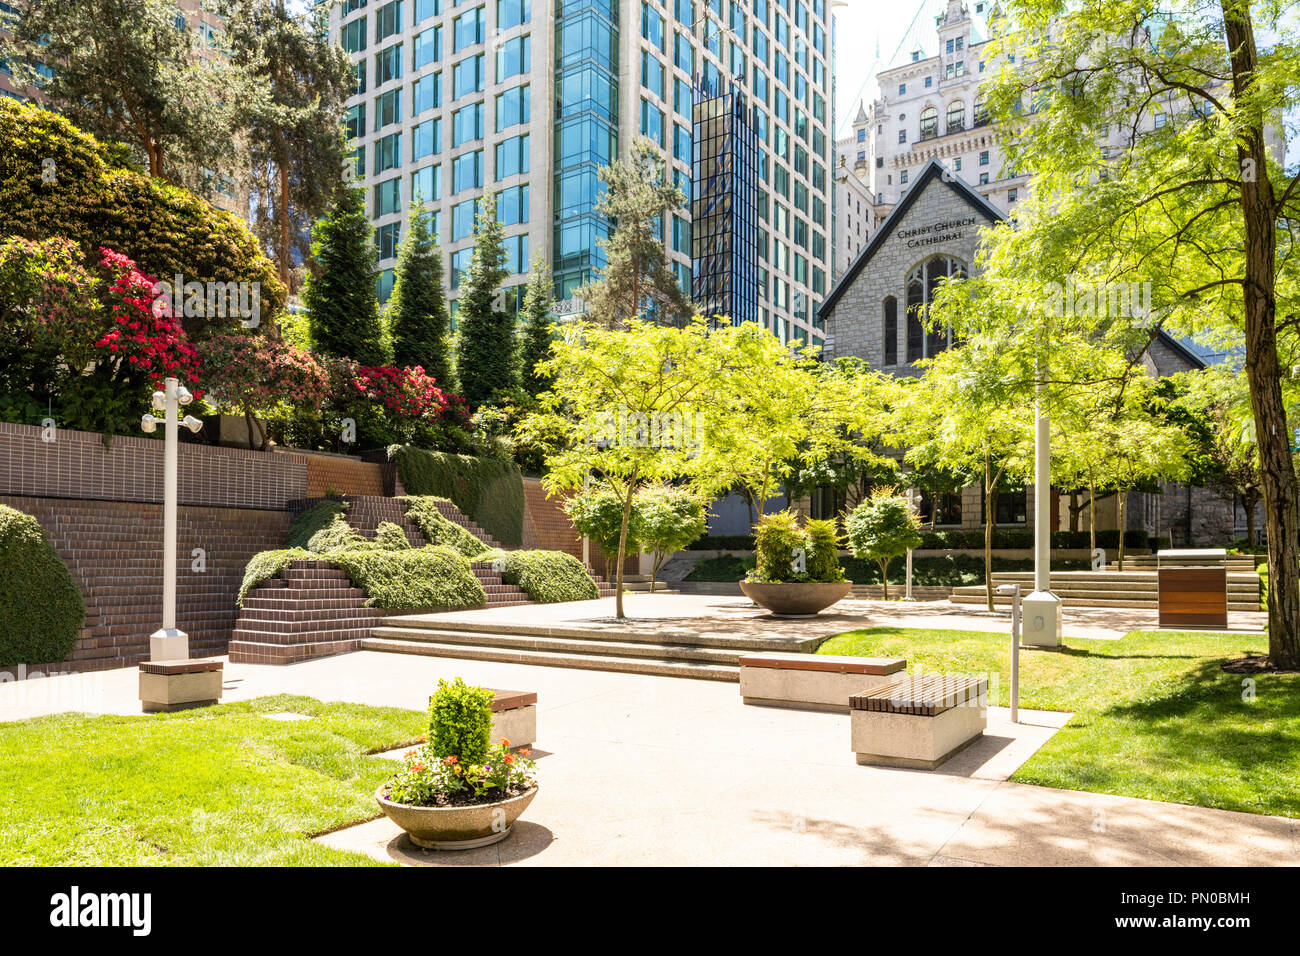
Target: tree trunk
x,y
1123,502
1075,507
988,532
1273,438
1092,517
622,551
282,210
884,576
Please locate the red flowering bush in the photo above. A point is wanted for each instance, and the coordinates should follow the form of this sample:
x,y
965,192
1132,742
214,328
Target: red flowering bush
x,y
403,392
252,373
84,342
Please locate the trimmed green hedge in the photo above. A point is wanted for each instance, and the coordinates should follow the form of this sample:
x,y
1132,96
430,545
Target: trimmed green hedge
x,y
966,539
548,577
723,542
41,611
438,528
428,577
945,570
489,491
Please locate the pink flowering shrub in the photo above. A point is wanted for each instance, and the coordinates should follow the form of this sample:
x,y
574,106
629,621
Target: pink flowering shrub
x,y
252,373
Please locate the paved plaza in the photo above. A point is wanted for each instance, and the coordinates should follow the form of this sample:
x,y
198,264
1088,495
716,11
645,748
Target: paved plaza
x,y
639,769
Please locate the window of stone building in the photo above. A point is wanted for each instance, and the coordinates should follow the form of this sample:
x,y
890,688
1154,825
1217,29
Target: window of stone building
x,y
891,330
956,116
929,122
921,287
948,504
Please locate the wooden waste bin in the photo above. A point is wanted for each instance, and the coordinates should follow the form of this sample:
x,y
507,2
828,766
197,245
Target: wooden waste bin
x,y
1193,597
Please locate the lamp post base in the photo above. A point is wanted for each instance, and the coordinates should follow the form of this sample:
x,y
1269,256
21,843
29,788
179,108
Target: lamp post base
x,y
1040,618
169,644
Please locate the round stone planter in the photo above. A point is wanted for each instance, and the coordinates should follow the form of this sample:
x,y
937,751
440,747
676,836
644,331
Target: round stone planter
x,y
456,828
796,599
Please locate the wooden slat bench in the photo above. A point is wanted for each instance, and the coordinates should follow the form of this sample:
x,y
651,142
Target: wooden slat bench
x,y
918,721
812,681
1193,597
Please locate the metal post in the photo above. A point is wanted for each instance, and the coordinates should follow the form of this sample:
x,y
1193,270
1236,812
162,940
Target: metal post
x,y
172,436
1015,657
908,595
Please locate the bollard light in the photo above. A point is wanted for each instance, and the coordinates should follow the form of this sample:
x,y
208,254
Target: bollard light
x,y
1014,591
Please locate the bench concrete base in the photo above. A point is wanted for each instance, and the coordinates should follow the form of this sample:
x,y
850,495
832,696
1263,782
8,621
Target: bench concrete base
x,y
812,681
178,685
514,717
918,722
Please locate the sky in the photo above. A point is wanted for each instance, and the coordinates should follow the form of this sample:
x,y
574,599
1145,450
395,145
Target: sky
x,y
862,28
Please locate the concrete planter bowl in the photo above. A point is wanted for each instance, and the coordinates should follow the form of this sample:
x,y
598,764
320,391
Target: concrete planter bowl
x,y
796,599
456,828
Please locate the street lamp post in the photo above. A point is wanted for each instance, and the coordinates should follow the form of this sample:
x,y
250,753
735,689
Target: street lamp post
x,y
169,643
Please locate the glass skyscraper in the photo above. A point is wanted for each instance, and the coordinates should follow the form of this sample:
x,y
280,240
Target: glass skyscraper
x,y
530,98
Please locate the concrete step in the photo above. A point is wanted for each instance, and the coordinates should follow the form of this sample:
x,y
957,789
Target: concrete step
x,y
604,662
562,645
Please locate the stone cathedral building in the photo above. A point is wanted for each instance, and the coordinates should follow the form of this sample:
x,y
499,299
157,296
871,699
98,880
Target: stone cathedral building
x,y
871,313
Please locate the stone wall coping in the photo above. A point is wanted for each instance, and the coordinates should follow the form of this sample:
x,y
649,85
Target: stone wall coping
x,y
833,663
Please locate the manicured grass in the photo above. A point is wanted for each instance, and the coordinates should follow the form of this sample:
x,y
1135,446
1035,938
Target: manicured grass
x,y
1154,715
222,786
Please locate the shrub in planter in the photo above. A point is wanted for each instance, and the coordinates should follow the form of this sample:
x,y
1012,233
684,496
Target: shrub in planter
x,y
250,373
823,556
41,611
776,539
460,721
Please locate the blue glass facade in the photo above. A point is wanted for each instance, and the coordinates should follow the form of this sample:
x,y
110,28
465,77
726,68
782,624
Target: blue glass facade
x,y
586,134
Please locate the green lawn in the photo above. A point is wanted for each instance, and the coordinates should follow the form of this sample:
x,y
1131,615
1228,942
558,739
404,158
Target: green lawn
x,y
1154,716
221,786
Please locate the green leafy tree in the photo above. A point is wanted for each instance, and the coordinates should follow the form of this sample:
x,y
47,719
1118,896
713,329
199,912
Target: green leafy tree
x,y
965,415
486,353
597,513
417,311
293,138
621,410
1188,208
535,344
340,298
668,518
637,281
882,528
123,71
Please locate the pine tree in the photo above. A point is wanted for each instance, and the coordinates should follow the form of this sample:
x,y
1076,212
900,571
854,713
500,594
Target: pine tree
x,y
340,298
638,278
486,354
536,339
417,311
294,142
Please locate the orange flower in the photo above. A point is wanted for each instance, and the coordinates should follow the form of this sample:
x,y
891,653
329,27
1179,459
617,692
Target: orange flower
x,y
417,767
449,760
504,742
526,752
409,754
510,758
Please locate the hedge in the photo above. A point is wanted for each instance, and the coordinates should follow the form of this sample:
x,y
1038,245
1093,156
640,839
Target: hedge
x,y
723,542
430,577
547,577
439,529
1013,538
944,570
41,611
97,200
488,490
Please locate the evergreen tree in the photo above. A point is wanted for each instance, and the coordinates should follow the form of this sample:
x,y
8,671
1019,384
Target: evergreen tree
x,y
486,355
340,298
638,278
536,339
295,143
417,312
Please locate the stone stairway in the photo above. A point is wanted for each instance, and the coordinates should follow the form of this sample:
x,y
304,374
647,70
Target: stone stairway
x,y
1107,589
1149,562
114,550
312,610
640,584
626,649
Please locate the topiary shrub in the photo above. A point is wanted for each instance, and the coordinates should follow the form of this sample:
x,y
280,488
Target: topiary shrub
x,y
776,539
439,529
548,577
96,200
489,490
460,722
391,537
41,611
431,577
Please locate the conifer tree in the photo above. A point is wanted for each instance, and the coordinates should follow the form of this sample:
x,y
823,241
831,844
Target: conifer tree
x,y
486,353
341,305
535,344
417,311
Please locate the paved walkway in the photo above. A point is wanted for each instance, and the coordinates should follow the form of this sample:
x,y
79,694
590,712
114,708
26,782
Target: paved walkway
x,y
657,770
